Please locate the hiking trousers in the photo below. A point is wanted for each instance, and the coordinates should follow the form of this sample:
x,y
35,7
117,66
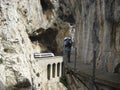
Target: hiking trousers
x,y
67,55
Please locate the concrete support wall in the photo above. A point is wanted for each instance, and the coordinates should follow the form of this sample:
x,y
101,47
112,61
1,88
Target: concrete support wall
x,y
48,64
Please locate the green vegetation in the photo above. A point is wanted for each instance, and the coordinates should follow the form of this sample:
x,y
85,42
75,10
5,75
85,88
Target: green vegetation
x,y
63,80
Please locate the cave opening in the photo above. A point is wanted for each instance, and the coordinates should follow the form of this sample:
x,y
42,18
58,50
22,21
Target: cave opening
x,y
46,38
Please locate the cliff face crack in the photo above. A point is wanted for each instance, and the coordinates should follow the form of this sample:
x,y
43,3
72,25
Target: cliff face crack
x,y
46,5
47,8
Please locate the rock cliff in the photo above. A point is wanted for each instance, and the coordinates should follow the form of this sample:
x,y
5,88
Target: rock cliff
x,y
97,24
19,19
29,26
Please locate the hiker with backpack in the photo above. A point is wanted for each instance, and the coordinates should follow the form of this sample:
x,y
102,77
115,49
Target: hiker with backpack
x,y
67,47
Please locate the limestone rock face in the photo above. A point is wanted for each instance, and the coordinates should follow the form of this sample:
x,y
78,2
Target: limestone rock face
x,y
18,18
97,29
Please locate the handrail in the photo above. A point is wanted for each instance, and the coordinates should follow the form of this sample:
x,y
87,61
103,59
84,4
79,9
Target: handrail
x,y
41,55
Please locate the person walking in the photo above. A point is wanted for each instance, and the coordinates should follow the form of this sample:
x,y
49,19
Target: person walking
x,y
67,47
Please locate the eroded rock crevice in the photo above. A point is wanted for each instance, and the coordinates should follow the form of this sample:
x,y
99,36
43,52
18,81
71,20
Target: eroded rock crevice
x,y
46,5
47,8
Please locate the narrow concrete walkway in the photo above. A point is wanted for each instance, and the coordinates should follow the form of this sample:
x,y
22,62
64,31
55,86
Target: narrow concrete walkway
x,y
85,70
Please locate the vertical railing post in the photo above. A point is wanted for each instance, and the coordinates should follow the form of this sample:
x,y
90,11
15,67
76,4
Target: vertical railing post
x,y
64,61
94,65
94,68
75,59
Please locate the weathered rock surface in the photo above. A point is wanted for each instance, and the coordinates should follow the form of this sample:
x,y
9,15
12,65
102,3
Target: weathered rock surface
x,y
97,24
97,28
18,18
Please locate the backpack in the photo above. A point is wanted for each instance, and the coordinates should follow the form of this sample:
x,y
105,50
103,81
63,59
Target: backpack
x,y
68,43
